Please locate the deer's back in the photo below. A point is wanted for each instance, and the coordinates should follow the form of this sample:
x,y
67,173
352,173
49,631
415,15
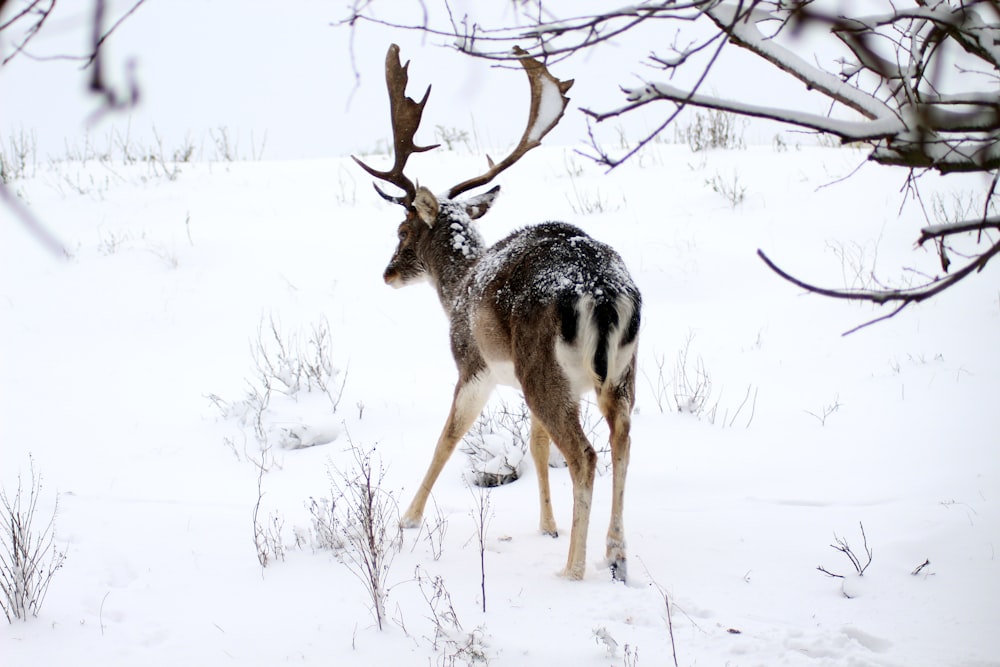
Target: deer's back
x,y
547,281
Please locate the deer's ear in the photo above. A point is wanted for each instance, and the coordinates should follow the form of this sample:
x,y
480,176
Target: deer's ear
x,y
477,206
426,205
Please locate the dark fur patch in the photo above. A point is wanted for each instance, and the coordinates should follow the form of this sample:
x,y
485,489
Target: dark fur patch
x,y
569,319
605,319
632,330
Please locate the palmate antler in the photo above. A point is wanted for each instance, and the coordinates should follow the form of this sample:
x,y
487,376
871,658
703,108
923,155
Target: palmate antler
x,y
406,115
548,104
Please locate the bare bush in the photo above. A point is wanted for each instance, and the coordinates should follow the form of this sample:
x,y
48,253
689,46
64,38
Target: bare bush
x,y
841,545
455,646
18,156
825,412
435,530
325,531
496,445
689,390
452,137
267,533
28,555
692,384
368,519
482,515
602,636
713,129
294,363
442,611
293,392
729,189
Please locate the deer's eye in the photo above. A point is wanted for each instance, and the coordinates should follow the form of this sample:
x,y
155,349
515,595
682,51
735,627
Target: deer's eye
x,y
403,234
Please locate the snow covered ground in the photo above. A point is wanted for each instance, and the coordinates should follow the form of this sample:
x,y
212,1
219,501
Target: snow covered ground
x,y
110,359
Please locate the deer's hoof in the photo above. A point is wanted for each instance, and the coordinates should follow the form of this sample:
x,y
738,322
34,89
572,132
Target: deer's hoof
x,y
408,522
619,570
574,573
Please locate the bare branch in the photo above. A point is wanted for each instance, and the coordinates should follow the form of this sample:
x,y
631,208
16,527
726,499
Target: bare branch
x,y
33,224
902,296
847,130
38,12
965,226
887,92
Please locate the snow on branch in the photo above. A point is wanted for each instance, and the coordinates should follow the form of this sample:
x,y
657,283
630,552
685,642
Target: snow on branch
x,y
902,64
742,31
918,81
911,128
848,130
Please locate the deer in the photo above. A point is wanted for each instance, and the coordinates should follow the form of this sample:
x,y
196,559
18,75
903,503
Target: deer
x,y
547,310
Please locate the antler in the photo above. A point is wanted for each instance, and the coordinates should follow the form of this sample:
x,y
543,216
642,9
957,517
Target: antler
x,y
548,103
405,115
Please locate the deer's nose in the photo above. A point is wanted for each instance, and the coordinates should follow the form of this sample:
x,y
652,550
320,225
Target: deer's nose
x,y
391,276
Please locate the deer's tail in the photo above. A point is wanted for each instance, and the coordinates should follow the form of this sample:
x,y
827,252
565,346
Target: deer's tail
x,y
604,328
616,321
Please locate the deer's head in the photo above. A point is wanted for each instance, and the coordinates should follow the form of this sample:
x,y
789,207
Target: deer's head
x,y
429,229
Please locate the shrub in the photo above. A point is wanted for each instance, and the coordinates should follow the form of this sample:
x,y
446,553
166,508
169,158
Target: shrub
x,y
28,556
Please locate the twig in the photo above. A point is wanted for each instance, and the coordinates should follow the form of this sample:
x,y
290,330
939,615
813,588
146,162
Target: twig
x,y
33,224
668,604
843,547
881,297
482,518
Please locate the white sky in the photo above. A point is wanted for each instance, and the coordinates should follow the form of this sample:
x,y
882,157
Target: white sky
x,y
279,75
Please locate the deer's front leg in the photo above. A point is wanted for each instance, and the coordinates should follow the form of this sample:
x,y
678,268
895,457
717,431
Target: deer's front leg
x,y
470,397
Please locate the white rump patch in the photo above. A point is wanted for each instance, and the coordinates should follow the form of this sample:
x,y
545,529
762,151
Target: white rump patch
x,y
577,359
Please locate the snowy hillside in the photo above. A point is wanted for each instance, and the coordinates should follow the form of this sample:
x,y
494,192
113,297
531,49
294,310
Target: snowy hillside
x,y
131,377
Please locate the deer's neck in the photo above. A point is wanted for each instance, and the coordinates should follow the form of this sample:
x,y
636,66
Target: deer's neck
x,y
456,246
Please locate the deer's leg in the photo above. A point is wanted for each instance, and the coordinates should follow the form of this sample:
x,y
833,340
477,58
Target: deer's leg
x,y
582,461
561,418
540,453
615,403
470,397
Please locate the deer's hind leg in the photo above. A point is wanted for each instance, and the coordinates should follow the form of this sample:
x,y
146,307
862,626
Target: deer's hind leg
x,y
470,397
555,403
540,453
560,416
615,402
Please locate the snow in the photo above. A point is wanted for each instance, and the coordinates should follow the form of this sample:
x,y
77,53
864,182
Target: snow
x,y
460,241
581,266
789,61
110,356
854,129
550,108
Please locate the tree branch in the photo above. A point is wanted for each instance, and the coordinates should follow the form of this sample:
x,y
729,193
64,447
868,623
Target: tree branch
x,y
903,296
964,226
846,130
32,224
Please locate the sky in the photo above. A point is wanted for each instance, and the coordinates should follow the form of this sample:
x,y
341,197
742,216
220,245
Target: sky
x,y
285,85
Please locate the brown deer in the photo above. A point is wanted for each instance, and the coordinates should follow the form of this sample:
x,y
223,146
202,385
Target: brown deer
x,y
548,310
